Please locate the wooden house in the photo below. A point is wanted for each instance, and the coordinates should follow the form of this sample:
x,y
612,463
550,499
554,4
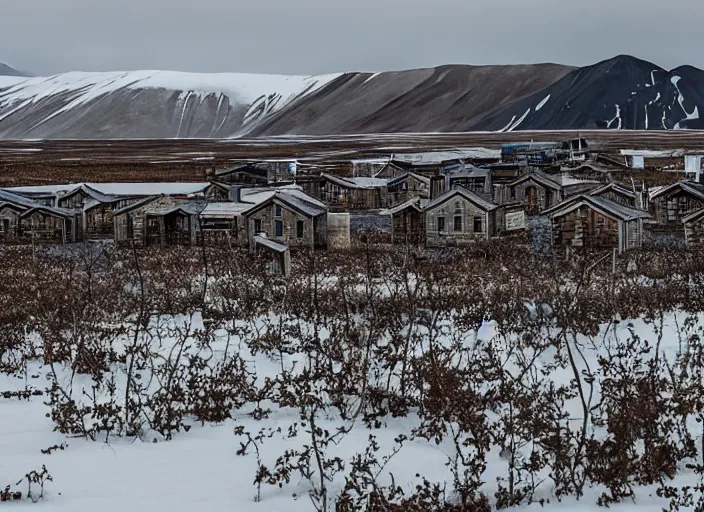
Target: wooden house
x,y
408,222
24,220
694,230
467,176
670,205
353,194
536,191
459,217
596,223
618,194
159,220
44,224
405,187
288,219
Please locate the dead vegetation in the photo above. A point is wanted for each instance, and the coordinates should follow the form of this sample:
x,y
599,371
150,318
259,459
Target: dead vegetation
x,y
368,337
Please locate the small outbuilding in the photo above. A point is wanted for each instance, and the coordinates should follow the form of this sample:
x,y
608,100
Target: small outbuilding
x,y
596,223
459,217
694,230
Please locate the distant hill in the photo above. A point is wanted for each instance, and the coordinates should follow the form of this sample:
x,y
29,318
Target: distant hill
x,y
623,92
6,70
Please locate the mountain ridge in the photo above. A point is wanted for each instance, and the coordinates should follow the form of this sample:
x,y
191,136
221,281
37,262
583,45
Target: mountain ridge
x,y
622,92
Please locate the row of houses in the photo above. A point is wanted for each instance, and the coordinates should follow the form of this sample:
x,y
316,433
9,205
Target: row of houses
x,y
163,213
607,216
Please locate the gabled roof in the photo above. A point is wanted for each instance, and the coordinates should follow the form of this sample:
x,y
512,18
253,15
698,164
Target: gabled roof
x,y
691,187
613,187
539,177
292,201
391,165
694,216
416,203
97,196
17,199
135,205
470,196
403,177
48,210
604,206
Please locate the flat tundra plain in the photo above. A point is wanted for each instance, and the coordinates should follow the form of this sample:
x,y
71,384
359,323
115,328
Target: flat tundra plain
x,y
27,162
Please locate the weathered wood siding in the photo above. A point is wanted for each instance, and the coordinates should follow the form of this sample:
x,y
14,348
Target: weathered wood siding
x,y
73,202
534,196
9,222
289,226
98,222
585,227
634,234
694,234
340,198
43,228
407,189
670,209
467,212
408,226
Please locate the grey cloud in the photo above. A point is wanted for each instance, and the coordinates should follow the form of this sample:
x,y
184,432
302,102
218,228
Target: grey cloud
x,y
323,36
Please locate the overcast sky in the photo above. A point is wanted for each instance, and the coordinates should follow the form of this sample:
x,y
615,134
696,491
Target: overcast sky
x,y
322,36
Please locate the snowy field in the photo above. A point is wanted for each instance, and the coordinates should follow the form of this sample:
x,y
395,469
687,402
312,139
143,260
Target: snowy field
x,y
312,388
201,468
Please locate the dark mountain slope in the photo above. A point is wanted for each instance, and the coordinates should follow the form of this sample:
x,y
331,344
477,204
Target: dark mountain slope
x,y
623,92
447,98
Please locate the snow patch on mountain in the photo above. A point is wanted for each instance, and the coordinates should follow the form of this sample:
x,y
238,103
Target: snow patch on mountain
x,y
680,98
265,93
542,103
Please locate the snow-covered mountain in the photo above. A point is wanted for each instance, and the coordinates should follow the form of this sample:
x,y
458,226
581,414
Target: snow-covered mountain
x,y
623,92
145,104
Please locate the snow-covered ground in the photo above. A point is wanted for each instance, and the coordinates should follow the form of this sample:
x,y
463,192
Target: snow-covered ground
x,y
200,469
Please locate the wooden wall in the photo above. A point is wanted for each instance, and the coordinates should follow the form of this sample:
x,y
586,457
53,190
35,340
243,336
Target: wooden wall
x,y
536,201
465,209
694,234
584,227
289,218
670,209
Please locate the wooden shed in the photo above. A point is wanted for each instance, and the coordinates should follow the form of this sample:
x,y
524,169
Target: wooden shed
x,y
406,187
536,191
618,194
350,194
670,205
596,223
278,255
408,222
288,219
44,224
160,220
694,230
459,217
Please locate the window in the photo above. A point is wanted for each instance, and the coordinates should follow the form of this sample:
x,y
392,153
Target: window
x,y
458,223
278,228
300,228
257,226
277,211
441,224
478,225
